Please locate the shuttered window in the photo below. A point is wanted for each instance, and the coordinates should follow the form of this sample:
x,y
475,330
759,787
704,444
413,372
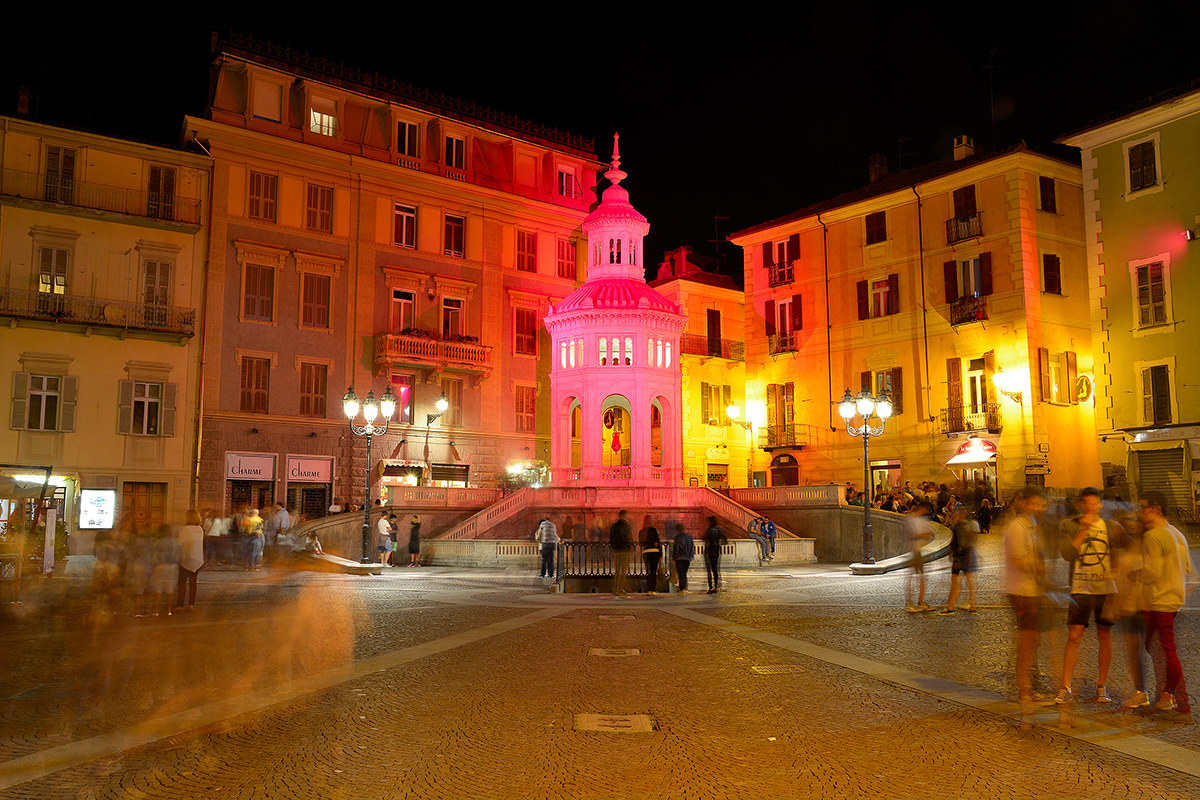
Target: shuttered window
x,y
314,305
256,376
314,380
319,208
160,198
263,190
526,409
526,331
259,299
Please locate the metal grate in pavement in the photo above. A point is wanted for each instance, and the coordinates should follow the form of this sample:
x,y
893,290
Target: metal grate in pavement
x,y
777,669
614,652
615,723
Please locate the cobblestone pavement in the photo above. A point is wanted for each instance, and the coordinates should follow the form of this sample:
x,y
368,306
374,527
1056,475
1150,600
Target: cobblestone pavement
x,y
459,684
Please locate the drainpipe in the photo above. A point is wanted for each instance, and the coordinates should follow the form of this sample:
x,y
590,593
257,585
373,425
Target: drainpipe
x,y
199,431
924,306
828,323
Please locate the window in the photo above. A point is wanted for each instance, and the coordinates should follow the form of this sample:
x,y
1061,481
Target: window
x,y
263,191
43,399
1046,199
526,409
406,226
783,319
60,175
1156,395
313,384
714,399
1058,373
259,297
779,258
525,325
1151,295
527,251
160,197
712,324
781,416
43,402
452,312
156,292
146,408
968,277
879,298
403,310
888,381
452,388
314,300
565,258
322,117
567,185
256,374
453,240
407,139
319,208
456,150
1143,166
53,264
964,202
876,227
268,100
1051,274
402,387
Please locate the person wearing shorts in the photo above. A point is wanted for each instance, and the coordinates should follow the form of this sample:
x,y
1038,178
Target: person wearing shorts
x,y
920,533
963,565
1024,574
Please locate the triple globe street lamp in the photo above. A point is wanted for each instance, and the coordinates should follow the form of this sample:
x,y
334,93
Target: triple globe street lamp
x,y
867,407
371,411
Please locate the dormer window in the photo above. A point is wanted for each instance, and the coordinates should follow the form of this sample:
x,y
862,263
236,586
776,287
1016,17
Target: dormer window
x,y
567,185
456,152
322,117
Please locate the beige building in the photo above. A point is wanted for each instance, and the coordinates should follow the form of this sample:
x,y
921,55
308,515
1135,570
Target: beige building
x,y
960,289
368,234
101,254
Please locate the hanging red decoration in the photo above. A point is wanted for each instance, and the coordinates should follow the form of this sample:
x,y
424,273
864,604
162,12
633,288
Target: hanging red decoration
x,y
616,445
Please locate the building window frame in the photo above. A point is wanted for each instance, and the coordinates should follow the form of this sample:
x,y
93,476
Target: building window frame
x,y
408,139
453,316
402,311
262,196
255,368
1137,183
452,388
404,386
525,331
1047,194
565,258
318,207
1150,370
568,183
454,236
875,228
44,401
316,300
323,116
525,399
404,232
1146,267
314,388
454,151
526,250
1051,273
161,181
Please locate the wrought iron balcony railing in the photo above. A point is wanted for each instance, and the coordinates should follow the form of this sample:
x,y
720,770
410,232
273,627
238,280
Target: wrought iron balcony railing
x,y
962,228
99,197
777,436
695,344
968,309
965,418
782,343
781,273
28,304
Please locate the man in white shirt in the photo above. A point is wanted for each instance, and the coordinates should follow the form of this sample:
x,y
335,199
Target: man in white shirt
x,y
1167,569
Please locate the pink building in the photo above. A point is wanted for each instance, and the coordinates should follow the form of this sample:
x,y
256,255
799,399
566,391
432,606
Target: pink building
x,y
615,377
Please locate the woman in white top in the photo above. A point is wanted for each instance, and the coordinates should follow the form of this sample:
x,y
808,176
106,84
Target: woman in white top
x,y
191,559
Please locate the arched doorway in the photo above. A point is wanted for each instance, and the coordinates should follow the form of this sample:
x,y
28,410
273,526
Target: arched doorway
x,y
616,432
785,471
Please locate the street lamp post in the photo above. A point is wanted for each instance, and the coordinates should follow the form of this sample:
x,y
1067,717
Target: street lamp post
x,y
441,405
866,406
371,409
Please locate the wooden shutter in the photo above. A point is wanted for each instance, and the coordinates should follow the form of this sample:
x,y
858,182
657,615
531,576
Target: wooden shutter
x,y
793,247
789,400
1044,374
989,369
125,407
705,403
893,294
67,398
726,402
20,401
985,273
768,255
954,390
773,404
170,400
769,313
897,392
1051,274
865,382
797,313
1072,377
950,268
864,308
1147,393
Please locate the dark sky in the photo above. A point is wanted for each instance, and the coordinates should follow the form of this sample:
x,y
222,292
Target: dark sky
x,y
748,117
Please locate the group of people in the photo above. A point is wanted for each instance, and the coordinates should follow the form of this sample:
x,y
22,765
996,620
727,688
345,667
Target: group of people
x,y
964,563
148,571
762,531
1132,572
388,544
941,500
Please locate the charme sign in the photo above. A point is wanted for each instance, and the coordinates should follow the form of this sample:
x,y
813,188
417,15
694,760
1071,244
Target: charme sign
x,y
249,467
305,469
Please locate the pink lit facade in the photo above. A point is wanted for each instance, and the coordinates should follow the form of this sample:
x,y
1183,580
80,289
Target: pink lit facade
x,y
615,378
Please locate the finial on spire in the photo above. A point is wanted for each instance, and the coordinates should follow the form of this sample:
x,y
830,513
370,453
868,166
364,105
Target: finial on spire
x,y
615,175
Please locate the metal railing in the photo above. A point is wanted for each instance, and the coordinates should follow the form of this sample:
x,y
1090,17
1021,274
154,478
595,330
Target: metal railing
x,y
782,343
30,304
968,309
99,197
961,419
696,344
790,435
961,228
779,274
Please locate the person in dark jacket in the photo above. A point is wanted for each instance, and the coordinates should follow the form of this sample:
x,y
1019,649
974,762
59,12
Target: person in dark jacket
x,y
651,556
620,538
414,542
714,537
684,552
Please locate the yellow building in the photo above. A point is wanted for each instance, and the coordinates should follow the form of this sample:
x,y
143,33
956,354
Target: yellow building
x,y
716,447
368,234
960,289
101,244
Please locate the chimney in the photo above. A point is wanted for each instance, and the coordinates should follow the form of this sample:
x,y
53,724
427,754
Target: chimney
x,y
877,166
964,147
22,101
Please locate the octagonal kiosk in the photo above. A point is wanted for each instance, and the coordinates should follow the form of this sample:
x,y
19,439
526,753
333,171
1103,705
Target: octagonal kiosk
x,y
615,380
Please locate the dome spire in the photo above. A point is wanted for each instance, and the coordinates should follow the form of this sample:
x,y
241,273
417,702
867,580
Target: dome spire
x,y
615,175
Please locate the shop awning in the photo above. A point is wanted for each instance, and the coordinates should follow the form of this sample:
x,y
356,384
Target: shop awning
x,y
973,451
13,489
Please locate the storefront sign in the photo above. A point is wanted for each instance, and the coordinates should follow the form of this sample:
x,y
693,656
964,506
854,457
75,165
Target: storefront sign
x,y
306,469
973,451
97,508
249,467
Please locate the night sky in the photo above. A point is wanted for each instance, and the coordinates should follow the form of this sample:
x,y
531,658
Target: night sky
x,y
748,118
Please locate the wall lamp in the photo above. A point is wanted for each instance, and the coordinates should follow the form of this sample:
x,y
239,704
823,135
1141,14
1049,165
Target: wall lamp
x,y
1008,385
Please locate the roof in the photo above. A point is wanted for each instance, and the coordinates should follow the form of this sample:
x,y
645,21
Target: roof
x,y
908,178
1146,103
707,278
616,293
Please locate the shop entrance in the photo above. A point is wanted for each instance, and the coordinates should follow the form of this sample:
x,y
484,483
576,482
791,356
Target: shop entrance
x,y
250,494
308,501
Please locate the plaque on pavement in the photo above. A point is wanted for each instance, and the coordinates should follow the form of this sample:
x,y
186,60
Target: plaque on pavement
x,y
614,723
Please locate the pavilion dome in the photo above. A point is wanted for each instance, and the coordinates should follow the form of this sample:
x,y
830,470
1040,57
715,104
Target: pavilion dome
x,y
615,293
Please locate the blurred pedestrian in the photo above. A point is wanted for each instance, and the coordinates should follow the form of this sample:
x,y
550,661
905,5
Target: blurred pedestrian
x,y
918,528
191,559
684,551
1167,571
1125,606
963,564
1025,571
651,558
252,532
620,539
547,536
383,530
984,515
414,541
714,538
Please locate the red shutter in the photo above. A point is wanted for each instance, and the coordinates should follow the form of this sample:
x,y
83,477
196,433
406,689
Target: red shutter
x,y
897,392
985,273
797,313
768,255
1044,372
864,381
769,313
951,270
864,309
793,247
1072,376
893,293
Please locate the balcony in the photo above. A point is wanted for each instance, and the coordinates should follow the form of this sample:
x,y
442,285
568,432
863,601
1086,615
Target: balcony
x,y
966,418
959,229
99,197
775,437
782,343
968,309
98,312
694,344
423,349
781,273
